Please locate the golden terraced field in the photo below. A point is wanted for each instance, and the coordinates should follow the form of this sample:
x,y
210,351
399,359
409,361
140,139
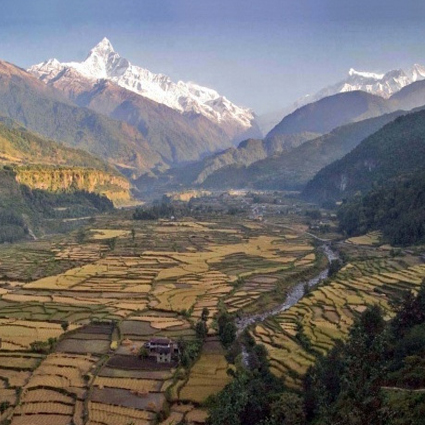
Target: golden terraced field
x,y
113,298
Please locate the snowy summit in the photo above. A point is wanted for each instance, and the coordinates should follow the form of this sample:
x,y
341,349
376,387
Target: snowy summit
x,y
186,97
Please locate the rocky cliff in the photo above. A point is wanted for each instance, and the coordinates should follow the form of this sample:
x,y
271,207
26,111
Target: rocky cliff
x,y
64,179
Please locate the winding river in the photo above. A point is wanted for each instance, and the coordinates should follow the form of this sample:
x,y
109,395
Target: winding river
x,y
295,294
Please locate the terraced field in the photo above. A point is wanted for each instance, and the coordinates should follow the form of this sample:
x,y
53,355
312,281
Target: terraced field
x,y
294,337
207,377
94,298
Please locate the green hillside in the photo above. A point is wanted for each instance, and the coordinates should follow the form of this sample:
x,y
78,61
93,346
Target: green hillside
x,y
19,146
397,209
397,149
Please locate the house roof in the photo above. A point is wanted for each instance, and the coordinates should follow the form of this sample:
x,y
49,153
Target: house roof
x,y
160,341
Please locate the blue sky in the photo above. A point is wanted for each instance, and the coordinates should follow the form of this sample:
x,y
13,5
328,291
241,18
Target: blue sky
x,y
259,53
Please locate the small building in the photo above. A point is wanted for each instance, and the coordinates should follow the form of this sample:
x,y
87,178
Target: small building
x,y
163,355
163,349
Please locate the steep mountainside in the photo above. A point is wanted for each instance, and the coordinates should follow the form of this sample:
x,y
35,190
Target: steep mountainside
x,y
177,137
26,212
397,149
384,85
187,98
41,109
74,179
397,209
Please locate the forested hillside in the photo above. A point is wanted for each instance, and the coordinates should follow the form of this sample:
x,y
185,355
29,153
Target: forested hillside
x,y
397,149
397,209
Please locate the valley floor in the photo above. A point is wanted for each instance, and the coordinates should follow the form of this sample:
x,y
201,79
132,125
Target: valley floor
x,y
75,311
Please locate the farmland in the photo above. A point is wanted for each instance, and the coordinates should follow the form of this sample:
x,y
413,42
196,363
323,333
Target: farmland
x,y
372,276
77,309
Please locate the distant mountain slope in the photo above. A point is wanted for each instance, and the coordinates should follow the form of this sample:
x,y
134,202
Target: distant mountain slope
x,y
103,63
244,167
384,85
178,138
246,153
398,148
21,147
331,112
44,110
44,164
294,169
410,96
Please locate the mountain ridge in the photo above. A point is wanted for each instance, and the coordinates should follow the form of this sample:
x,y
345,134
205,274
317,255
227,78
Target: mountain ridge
x,y
382,84
103,62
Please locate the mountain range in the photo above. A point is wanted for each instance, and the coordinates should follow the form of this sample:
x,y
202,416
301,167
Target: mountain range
x,y
305,141
162,134
384,85
188,98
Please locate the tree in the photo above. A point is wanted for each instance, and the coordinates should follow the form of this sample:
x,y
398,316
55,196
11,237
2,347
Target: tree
x,y
228,334
143,352
4,405
288,410
230,403
111,243
65,326
410,311
226,329
205,313
201,329
81,236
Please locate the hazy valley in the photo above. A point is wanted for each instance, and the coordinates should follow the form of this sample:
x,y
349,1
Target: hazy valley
x,y
162,261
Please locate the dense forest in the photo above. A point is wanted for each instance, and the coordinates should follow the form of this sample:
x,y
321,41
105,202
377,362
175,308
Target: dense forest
x,y
397,209
377,376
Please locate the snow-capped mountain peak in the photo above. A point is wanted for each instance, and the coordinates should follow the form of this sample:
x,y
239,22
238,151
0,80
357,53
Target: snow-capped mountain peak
x,y
104,63
384,85
104,46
